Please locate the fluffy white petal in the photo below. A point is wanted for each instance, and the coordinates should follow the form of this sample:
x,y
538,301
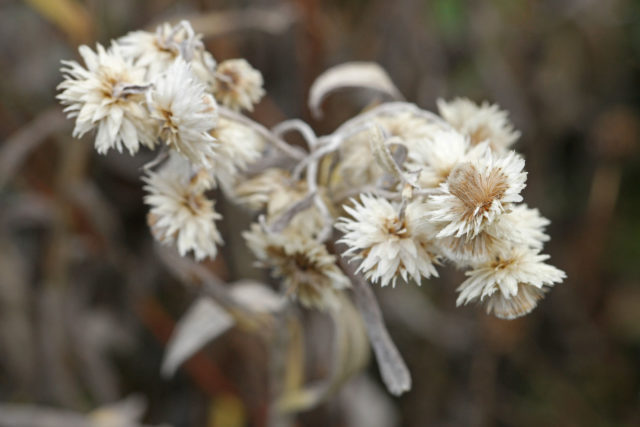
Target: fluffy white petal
x,y
388,246
180,212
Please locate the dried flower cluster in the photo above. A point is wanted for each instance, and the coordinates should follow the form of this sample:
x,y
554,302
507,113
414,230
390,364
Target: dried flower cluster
x,y
397,190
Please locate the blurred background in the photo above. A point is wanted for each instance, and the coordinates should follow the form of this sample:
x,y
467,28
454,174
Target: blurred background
x,y
86,308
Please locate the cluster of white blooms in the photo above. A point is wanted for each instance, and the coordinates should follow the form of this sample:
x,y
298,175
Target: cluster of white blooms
x,y
162,90
397,190
463,206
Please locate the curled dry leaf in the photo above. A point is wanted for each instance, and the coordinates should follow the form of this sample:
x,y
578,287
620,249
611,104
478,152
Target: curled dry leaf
x,y
204,321
368,75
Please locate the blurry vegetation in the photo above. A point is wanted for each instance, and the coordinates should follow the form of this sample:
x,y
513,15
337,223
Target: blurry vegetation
x,y
86,307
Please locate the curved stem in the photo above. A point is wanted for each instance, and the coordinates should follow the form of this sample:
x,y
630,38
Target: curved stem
x,y
297,125
161,157
277,142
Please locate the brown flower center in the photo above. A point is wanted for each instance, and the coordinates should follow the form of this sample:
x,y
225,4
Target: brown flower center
x,y
479,134
501,264
195,203
396,227
476,190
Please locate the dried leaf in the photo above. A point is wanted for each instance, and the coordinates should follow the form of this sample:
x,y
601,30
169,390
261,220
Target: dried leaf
x,y
257,297
295,358
353,344
350,355
393,369
368,75
204,321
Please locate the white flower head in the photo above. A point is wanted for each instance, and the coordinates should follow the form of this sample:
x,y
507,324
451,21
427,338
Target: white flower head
x,y
238,85
513,282
521,226
518,305
485,122
156,51
464,251
436,155
476,192
180,211
387,245
107,96
238,146
356,165
310,274
185,113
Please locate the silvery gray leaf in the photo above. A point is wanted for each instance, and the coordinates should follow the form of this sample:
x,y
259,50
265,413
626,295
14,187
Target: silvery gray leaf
x,y
368,75
393,369
257,297
204,321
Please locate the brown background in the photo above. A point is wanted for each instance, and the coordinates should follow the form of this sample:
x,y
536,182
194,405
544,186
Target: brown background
x,y
85,307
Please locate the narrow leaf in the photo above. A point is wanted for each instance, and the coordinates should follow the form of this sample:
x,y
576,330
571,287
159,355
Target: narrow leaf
x,y
204,321
393,369
257,297
368,75
350,354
